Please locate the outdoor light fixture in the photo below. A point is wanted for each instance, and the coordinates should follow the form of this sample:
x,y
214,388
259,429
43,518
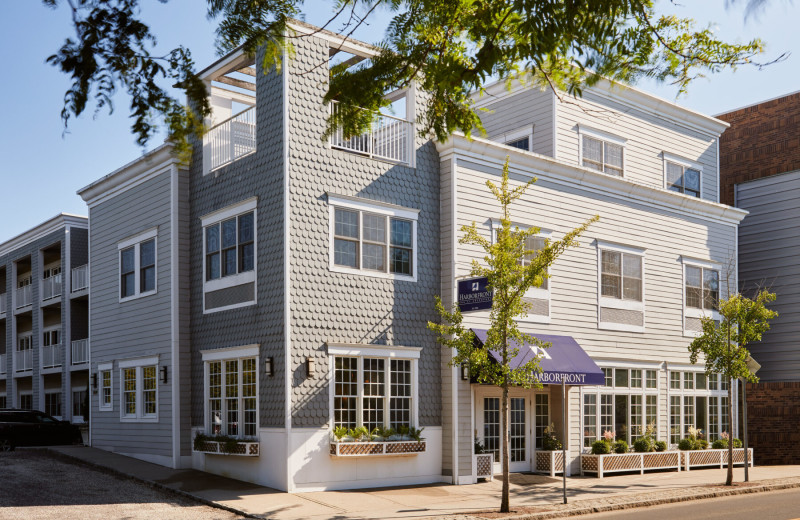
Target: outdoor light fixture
x,y
268,367
310,367
163,371
94,381
465,371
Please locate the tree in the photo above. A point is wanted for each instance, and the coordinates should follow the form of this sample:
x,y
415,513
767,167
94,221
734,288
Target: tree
x,y
508,277
451,49
724,344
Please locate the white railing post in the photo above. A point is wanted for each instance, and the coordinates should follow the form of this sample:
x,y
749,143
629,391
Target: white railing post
x,y
600,466
552,463
80,277
231,139
80,351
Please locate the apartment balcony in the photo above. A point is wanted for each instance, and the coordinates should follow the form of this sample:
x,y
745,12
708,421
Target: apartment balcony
x,y
24,296
80,278
80,352
231,140
3,361
23,360
3,303
389,138
51,287
51,356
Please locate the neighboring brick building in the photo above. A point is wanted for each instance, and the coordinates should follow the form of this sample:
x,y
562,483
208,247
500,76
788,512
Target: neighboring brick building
x,y
763,140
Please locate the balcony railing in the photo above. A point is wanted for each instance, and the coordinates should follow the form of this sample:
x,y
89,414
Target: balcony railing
x,y
24,296
231,139
3,361
51,356
23,360
389,138
2,303
51,287
80,278
80,351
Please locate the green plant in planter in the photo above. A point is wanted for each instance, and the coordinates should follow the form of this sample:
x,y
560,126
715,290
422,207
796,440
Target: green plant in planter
x,y
620,447
340,433
359,434
702,444
200,440
549,440
415,434
661,445
719,444
643,445
479,447
601,447
737,443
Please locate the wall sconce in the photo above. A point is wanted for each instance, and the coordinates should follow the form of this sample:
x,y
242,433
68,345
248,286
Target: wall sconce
x,y
94,381
465,371
310,367
268,367
163,372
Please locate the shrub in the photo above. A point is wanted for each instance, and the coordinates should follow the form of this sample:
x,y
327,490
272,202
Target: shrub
x,y
549,441
686,444
719,444
701,444
643,445
620,447
339,433
601,447
479,448
661,446
737,443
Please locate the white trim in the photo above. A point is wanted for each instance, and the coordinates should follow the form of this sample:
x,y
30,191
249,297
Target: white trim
x,y
229,281
614,363
219,354
667,157
230,307
393,352
619,303
616,303
516,135
105,367
604,137
174,267
372,206
454,376
135,242
139,237
601,135
138,362
697,262
138,365
232,210
718,178
54,224
555,124
622,248
694,312
287,281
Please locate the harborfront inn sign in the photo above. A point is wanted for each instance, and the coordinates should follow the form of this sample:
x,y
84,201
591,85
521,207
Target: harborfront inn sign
x,y
474,294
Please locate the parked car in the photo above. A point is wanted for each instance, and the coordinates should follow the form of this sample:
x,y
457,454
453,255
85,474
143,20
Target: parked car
x,y
34,428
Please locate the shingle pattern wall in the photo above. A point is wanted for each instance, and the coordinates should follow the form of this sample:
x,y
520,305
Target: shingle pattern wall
x,y
79,247
259,174
763,140
348,308
772,411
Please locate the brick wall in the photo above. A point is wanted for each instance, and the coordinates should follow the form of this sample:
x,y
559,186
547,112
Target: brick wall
x,y
763,140
772,425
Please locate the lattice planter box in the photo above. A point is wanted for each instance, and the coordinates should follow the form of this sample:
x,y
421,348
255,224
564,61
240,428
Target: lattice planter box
x,y
371,449
483,466
550,462
706,458
241,449
619,462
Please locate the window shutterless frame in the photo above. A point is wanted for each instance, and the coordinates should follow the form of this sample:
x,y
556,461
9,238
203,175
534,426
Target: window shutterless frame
x,y
231,408
601,151
703,272
138,391
138,265
613,250
682,176
105,387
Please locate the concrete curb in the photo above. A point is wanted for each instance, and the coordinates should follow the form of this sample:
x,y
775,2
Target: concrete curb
x,y
149,483
632,503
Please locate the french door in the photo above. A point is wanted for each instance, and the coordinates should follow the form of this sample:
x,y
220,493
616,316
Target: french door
x,y
490,424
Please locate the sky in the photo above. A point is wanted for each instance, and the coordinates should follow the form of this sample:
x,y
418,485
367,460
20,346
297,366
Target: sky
x,y
43,167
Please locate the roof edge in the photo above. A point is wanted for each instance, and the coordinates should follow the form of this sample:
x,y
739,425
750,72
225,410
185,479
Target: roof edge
x,y
62,220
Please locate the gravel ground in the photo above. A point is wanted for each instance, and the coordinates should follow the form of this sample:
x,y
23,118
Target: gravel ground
x,y
34,485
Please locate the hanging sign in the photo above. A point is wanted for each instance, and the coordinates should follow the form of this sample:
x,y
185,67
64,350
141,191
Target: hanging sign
x,y
474,295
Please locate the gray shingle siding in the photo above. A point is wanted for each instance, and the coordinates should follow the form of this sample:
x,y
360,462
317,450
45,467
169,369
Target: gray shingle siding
x,y
350,308
259,174
79,247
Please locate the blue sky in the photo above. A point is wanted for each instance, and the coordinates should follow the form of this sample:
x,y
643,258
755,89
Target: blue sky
x,y
42,167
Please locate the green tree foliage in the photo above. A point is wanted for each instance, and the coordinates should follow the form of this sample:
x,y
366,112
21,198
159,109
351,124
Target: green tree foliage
x,y
451,49
509,277
724,344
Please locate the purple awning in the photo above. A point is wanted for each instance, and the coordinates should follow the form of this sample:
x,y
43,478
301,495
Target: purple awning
x,y
565,360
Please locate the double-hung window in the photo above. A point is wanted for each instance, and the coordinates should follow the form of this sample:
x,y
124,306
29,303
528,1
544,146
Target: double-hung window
x,y
231,391
139,389
621,287
373,386
701,293
137,265
697,401
602,152
230,256
682,176
521,139
372,238
105,382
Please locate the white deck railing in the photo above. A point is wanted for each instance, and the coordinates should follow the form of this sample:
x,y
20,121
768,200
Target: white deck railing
x,y
2,303
24,296
23,360
80,278
231,139
51,356
51,287
3,362
80,351
389,138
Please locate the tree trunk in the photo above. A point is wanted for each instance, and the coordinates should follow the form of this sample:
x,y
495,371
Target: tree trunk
x,y
729,479
504,502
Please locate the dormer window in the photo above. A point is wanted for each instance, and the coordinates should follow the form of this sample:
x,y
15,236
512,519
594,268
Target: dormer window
x,y
602,152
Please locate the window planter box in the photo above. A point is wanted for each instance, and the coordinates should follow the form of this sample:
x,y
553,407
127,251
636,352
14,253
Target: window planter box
x,y
242,449
618,462
550,462
483,466
706,458
378,448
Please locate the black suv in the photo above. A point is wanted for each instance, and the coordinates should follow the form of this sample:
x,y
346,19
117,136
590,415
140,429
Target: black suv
x,y
34,428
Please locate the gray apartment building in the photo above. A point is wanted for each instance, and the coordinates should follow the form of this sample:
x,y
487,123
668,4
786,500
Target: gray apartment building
x,y
278,286
44,345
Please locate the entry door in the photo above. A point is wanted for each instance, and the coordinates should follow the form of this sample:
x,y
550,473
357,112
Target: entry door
x,y
490,426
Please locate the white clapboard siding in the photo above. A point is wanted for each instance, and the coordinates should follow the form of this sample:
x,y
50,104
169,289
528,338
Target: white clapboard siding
x,y
530,108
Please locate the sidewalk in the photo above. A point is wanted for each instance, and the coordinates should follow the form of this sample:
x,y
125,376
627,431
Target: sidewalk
x,y
533,496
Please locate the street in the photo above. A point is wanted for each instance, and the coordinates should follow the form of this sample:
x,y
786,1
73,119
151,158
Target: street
x,y
775,505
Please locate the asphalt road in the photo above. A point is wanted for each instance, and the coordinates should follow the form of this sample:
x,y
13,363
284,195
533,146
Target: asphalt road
x,y
34,485
775,505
